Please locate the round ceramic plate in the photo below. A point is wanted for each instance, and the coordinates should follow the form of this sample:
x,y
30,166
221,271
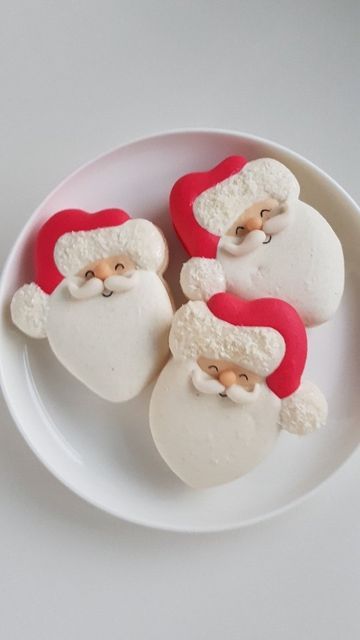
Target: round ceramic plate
x,y
104,452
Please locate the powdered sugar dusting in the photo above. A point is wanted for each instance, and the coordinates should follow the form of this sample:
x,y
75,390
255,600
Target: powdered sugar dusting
x,y
201,278
217,208
304,411
29,310
139,239
196,331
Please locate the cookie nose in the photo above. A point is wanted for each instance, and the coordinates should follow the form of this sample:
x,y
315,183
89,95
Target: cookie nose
x,y
103,271
227,378
253,224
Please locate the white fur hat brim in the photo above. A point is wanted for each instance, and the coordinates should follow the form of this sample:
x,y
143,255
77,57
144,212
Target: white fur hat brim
x,y
304,411
140,239
197,332
29,310
218,207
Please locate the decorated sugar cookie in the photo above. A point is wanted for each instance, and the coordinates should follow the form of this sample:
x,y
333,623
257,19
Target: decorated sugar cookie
x,y
100,300
233,383
248,216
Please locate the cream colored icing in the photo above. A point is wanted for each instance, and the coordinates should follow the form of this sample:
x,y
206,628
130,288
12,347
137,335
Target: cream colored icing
x,y
302,264
140,239
207,440
201,278
304,411
29,310
196,331
218,207
114,345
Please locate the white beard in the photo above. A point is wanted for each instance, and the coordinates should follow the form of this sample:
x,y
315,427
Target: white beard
x,y
302,264
114,345
205,439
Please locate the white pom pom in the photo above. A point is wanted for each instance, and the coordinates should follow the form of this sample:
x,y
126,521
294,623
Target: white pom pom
x,y
201,278
304,411
29,310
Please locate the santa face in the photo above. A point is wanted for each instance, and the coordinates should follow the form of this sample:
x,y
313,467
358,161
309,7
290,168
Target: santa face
x,y
226,378
109,325
119,265
240,237
205,436
105,276
287,251
248,215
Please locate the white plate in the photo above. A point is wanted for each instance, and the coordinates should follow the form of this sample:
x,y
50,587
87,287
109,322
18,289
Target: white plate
x,y
104,452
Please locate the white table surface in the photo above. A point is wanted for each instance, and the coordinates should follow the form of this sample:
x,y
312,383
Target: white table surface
x,y
77,78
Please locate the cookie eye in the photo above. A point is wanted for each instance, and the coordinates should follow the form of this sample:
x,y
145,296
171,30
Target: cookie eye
x,y
238,229
243,375
213,366
118,265
264,211
89,274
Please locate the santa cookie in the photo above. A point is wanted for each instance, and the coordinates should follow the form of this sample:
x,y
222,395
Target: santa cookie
x,y
233,383
100,299
248,216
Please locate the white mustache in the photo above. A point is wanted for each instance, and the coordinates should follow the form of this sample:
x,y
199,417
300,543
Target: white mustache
x,y
238,394
242,246
204,383
121,283
278,222
82,289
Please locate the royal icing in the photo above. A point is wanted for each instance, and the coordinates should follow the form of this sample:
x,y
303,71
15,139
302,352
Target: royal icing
x,y
115,346
196,331
207,440
218,207
234,381
302,264
108,319
248,217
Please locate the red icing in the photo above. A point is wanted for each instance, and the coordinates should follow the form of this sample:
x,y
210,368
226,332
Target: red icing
x,y
196,240
279,315
47,274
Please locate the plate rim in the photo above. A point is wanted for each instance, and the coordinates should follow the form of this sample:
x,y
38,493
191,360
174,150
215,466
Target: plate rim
x,y
149,522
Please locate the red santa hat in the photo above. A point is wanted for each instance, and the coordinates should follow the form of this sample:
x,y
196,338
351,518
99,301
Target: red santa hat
x,y
265,336
70,240
204,205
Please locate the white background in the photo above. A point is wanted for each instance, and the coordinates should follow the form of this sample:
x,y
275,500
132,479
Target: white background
x,y
78,78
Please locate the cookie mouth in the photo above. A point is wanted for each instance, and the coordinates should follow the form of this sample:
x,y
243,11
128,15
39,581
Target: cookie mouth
x,y
222,395
267,240
107,294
